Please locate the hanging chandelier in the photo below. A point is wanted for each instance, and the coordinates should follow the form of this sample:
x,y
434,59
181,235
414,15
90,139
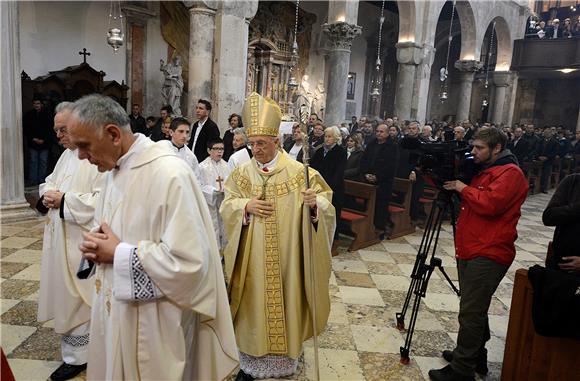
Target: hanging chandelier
x,y
444,72
292,83
115,36
485,101
376,82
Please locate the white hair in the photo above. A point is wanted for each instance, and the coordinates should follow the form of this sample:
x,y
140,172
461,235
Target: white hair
x,y
335,132
427,128
241,132
63,106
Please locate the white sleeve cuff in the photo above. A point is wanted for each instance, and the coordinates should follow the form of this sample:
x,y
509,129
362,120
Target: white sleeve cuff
x,y
66,212
131,282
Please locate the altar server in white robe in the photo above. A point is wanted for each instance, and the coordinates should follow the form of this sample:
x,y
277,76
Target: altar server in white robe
x,y
68,198
242,153
214,172
179,130
160,309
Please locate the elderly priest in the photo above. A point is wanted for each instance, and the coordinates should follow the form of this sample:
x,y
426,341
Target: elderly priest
x,y
267,211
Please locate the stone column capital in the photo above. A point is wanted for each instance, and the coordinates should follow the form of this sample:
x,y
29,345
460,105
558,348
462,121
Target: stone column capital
x,y
410,53
200,8
340,35
468,65
502,78
201,4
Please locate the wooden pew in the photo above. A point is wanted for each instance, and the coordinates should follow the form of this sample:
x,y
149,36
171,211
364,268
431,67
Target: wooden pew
x,y
400,208
533,172
555,175
576,165
360,222
429,197
529,356
566,167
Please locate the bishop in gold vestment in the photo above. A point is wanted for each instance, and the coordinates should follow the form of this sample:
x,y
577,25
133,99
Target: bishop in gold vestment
x,y
267,257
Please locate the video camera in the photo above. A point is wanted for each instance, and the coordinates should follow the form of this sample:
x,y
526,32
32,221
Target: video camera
x,y
442,161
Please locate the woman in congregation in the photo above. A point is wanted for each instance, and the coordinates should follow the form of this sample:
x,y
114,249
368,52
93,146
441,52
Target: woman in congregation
x,y
330,161
354,151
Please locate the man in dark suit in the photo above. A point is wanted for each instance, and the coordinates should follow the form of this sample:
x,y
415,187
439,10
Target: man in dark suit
x,y
137,121
202,131
378,166
554,31
157,134
546,153
520,146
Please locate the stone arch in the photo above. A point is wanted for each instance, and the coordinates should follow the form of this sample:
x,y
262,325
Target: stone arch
x,y
504,43
468,31
407,21
463,13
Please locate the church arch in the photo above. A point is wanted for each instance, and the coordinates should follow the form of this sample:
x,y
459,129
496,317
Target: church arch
x,y
407,21
502,41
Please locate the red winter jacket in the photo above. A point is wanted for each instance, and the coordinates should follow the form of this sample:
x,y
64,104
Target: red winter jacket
x,y
490,210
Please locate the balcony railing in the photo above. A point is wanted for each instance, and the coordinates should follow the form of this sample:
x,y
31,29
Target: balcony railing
x,y
549,54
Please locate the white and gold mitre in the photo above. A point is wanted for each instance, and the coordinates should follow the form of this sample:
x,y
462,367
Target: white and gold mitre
x,y
261,116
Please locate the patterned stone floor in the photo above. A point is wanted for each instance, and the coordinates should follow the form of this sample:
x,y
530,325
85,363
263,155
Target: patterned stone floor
x,y
368,287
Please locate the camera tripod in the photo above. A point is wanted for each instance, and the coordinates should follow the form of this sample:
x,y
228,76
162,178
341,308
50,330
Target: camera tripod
x,y
423,269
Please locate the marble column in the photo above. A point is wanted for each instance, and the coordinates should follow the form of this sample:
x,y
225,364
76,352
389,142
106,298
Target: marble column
x,y
201,50
578,121
340,36
500,80
230,58
13,206
467,69
408,56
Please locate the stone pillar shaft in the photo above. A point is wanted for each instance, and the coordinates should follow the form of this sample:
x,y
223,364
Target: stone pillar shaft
x,y
578,121
464,101
201,46
404,95
501,81
340,37
338,64
13,205
231,56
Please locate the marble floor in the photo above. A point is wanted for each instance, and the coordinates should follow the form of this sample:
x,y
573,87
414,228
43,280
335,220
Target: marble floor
x,y
368,287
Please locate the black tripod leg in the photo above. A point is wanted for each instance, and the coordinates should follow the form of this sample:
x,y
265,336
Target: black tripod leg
x,y
420,292
455,289
426,240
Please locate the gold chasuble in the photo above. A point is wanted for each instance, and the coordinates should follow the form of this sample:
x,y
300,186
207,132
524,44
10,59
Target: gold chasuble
x,y
267,259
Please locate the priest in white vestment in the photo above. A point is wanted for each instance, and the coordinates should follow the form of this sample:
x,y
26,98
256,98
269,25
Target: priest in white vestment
x,y
214,172
242,152
68,198
160,309
179,131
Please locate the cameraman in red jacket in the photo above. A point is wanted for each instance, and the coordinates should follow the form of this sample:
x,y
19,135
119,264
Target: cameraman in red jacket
x,y
484,247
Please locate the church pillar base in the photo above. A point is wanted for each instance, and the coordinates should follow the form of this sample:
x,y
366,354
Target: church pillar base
x,y
16,213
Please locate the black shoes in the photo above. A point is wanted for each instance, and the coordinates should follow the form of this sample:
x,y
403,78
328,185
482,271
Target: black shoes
x,y
448,374
67,371
480,367
242,376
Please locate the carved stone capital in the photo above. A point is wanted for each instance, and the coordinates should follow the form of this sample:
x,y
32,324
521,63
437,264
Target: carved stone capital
x,y
202,11
468,65
502,78
211,4
410,53
340,35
